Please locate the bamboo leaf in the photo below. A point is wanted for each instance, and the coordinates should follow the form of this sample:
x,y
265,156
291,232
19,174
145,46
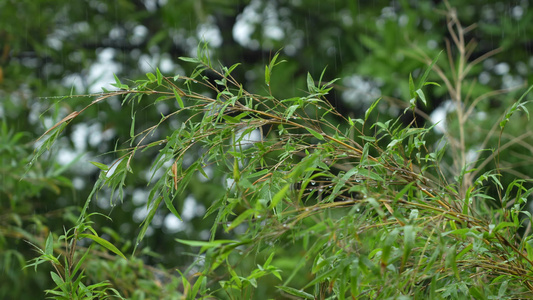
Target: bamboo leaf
x,y
159,76
420,94
58,281
424,77
279,196
315,134
189,59
412,92
49,246
151,77
371,108
267,76
178,98
241,218
103,243
148,220
310,84
295,292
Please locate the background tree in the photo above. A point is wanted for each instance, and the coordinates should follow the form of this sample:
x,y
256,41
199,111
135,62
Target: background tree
x,y
67,48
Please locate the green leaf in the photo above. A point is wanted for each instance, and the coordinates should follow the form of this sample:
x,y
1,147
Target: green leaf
x,y
388,243
159,76
503,289
466,201
80,263
103,243
476,293
151,77
279,195
200,283
269,260
451,261
515,107
228,71
321,76
424,77
321,277
178,98
503,225
370,174
404,190
236,171
189,59
464,251
290,111
267,76
412,92
230,119
431,83
49,246
132,127
315,134
170,205
228,246
408,242
295,292
368,138
371,108
210,244
420,94
310,83
241,218
118,84
58,281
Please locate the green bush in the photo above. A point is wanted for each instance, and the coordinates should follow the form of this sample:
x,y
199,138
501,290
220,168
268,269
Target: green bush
x,y
316,204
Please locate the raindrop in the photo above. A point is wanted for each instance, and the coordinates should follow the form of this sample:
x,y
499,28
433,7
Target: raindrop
x,y
313,182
